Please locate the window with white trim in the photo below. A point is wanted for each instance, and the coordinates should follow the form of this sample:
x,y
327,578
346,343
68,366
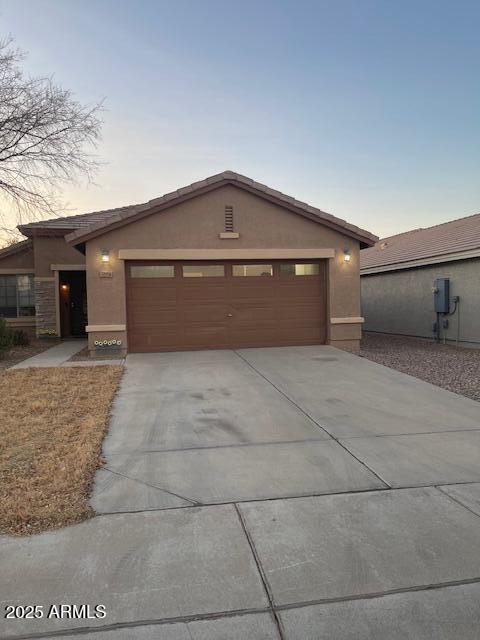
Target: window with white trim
x,y
17,296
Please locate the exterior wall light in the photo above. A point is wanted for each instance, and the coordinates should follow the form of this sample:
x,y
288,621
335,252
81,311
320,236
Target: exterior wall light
x,y
64,287
105,255
347,255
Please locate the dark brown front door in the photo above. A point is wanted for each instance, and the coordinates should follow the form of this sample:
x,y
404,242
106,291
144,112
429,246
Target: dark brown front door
x,y
73,303
187,305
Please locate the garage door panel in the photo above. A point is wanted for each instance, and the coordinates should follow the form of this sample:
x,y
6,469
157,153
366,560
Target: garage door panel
x,y
220,312
197,291
253,294
204,313
309,313
205,337
150,296
144,343
153,315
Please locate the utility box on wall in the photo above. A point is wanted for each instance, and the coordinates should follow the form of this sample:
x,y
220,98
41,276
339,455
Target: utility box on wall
x,y
442,295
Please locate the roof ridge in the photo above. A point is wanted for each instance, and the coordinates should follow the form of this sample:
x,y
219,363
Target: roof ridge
x,y
93,222
459,236
434,226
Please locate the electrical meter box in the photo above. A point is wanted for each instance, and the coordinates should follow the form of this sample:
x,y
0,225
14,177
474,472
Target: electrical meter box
x,y
442,295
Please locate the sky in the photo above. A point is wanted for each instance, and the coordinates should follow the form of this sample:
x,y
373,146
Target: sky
x,y
367,109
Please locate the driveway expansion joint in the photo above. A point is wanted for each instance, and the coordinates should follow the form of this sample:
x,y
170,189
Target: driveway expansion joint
x,y
273,609
263,577
305,413
453,499
282,498
412,433
153,486
80,631
379,594
207,447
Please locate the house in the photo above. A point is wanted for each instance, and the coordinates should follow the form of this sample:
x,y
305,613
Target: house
x,y
224,262
400,275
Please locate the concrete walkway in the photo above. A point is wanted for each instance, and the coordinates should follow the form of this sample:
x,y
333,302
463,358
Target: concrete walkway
x,y
296,493
53,357
59,355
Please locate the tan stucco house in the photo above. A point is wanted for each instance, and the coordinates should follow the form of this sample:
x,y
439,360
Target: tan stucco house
x,y
399,275
224,262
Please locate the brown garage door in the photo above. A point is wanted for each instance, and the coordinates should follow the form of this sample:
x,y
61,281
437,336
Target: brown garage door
x,y
187,305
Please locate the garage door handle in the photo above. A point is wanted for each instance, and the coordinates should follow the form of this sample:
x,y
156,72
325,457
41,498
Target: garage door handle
x,y
229,315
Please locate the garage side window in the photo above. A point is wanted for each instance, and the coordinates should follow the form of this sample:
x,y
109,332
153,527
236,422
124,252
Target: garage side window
x,y
153,271
203,270
252,270
290,269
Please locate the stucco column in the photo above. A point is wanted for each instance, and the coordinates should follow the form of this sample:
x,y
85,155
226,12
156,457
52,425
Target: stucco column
x,y
345,321
107,316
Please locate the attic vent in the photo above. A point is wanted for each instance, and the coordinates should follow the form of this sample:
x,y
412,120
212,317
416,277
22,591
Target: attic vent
x,y
229,219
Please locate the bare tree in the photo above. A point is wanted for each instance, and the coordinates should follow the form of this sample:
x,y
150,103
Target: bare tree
x,y
46,139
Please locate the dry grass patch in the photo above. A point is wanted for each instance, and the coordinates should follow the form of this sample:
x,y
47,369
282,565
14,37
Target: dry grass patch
x,y
52,423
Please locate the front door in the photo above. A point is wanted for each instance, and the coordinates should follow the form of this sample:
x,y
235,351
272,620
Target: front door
x,y
73,303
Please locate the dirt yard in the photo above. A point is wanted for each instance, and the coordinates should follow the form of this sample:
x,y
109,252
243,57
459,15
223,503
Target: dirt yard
x,y
52,423
17,354
453,368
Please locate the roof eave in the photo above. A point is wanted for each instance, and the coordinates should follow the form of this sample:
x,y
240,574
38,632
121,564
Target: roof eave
x,y
34,232
18,247
421,262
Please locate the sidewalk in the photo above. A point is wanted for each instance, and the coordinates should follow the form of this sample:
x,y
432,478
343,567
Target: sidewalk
x,y
53,357
60,354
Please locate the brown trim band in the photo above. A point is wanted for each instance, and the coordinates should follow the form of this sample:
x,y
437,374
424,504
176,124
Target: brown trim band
x,y
224,254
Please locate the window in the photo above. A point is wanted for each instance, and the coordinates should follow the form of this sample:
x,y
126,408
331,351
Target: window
x,y
153,271
252,270
17,297
289,269
203,270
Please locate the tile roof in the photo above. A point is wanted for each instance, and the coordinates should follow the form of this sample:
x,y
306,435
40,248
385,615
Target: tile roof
x,y
22,245
78,221
421,244
95,222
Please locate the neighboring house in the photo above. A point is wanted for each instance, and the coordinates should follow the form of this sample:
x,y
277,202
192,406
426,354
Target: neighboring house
x,y
224,262
398,277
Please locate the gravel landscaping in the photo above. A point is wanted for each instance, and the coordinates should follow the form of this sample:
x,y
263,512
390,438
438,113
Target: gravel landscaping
x,y
453,368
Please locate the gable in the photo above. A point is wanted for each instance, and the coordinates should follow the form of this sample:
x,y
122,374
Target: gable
x,y
116,218
198,222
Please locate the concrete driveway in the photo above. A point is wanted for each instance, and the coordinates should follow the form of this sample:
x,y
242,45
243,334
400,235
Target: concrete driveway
x,y
298,493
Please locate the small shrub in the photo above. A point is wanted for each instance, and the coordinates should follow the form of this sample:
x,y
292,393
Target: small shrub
x,y
20,338
6,337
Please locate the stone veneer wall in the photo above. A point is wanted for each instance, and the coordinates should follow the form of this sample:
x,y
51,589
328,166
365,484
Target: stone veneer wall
x,y
45,305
